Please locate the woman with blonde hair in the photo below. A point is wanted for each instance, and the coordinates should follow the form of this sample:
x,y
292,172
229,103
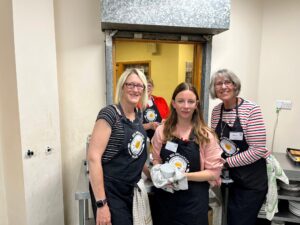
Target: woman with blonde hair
x,y
117,152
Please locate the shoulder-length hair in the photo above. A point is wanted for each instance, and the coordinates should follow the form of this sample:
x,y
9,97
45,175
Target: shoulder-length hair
x,y
224,73
122,80
200,129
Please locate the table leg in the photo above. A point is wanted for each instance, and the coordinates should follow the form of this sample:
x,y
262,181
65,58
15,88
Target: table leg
x,y
81,212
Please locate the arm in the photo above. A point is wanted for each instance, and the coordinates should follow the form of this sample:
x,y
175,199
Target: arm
x,y
211,163
255,134
215,116
98,143
157,141
150,125
146,171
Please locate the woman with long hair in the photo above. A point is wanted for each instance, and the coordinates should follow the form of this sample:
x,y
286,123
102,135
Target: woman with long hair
x,y
187,143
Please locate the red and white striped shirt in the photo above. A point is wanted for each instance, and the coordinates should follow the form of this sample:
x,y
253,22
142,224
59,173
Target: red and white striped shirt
x,y
254,131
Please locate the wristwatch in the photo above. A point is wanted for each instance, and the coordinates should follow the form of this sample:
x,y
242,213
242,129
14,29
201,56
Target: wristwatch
x,y
101,203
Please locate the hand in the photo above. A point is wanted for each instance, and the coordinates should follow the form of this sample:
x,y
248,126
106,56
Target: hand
x,y
170,185
225,165
154,125
103,216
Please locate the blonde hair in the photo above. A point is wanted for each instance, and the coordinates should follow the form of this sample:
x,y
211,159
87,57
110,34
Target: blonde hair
x,y
123,78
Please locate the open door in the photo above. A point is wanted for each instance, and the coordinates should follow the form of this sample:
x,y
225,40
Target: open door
x,y
197,68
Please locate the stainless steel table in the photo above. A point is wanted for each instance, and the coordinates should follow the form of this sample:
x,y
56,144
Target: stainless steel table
x,y
82,195
291,169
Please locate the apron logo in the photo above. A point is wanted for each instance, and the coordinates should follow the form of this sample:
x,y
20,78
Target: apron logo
x,y
179,161
228,147
136,144
150,115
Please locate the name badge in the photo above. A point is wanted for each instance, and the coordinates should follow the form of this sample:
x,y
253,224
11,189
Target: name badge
x,y
150,102
237,136
171,146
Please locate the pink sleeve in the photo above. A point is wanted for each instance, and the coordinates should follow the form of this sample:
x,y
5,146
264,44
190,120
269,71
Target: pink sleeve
x,y
211,160
157,142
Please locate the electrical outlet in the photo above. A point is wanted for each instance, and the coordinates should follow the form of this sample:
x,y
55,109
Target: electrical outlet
x,y
284,104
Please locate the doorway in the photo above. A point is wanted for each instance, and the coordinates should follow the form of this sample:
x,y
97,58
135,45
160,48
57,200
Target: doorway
x,y
167,63
202,45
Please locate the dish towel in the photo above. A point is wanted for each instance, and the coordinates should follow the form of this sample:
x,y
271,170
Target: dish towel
x,y
175,183
141,208
274,171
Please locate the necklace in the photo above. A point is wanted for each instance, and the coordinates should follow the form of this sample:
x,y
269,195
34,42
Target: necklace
x,y
222,122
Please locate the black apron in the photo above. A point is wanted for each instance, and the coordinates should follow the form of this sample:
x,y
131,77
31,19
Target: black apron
x,y
247,192
185,207
123,171
151,114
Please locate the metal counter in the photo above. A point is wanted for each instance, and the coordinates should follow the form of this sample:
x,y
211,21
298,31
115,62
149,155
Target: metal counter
x,y
82,195
291,169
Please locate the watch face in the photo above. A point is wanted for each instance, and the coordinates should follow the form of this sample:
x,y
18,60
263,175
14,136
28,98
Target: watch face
x,y
101,203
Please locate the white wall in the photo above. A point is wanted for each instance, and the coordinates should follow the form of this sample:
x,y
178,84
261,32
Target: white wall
x,y
81,76
3,211
279,70
12,197
238,49
262,48
5,21
31,191
37,86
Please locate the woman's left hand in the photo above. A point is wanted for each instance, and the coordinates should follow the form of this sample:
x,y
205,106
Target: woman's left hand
x,y
154,125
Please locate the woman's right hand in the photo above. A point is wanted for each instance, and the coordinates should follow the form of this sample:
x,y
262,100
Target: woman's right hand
x,y
103,216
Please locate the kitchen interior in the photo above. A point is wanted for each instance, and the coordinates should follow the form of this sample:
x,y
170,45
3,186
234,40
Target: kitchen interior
x,y
185,57
50,52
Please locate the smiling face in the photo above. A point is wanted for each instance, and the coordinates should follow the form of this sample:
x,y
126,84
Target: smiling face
x,y
225,89
133,89
185,104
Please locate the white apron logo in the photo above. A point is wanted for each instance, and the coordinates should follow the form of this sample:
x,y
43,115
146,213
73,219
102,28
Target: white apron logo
x,y
228,147
136,144
150,115
179,161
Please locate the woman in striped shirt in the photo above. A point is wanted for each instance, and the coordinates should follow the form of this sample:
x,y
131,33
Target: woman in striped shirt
x,y
240,127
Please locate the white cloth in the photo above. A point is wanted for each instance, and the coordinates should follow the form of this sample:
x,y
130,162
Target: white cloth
x,y
175,183
141,209
274,171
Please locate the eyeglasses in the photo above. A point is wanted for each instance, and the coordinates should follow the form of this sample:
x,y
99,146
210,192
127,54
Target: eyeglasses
x,y
149,86
225,82
140,87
